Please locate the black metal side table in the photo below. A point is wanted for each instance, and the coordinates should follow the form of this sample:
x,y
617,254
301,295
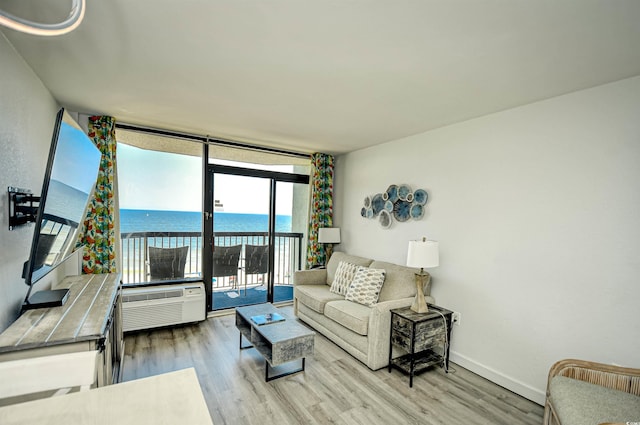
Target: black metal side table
x,y
424,337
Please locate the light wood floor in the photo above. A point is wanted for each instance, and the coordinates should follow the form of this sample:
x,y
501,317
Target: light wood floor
x,y
334,389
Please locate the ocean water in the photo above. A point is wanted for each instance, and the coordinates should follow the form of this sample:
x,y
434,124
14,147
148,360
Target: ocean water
x,y
188,221
134,269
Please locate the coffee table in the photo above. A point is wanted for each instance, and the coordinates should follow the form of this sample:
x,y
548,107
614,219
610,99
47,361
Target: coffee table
x,y
278,342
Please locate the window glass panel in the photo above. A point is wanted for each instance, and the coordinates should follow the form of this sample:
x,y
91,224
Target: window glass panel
x,y
292,205
160,197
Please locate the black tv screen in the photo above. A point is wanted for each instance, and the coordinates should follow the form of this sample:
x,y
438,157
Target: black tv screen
x,y
69,181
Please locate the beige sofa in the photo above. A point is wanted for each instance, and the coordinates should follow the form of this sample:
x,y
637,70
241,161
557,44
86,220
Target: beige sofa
x,y
360,330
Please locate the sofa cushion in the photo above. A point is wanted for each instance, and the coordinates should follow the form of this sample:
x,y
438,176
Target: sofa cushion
x,y
351,315
315,296
343,278
577,402
338,256
356,345
400,281
365,288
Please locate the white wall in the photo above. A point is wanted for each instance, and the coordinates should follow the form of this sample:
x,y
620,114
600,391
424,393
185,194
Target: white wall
x,y
537,212
27,115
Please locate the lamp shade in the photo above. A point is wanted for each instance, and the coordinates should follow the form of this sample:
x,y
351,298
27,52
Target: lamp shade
x,y
423,253
329,235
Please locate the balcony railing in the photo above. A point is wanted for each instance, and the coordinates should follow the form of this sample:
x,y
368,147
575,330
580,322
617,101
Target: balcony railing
x,y
135,264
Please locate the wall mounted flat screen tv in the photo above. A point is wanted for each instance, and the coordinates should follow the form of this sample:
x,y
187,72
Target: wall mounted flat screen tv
x,y
69,181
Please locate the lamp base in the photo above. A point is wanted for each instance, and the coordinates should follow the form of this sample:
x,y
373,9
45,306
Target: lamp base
x,y
328,249
419,303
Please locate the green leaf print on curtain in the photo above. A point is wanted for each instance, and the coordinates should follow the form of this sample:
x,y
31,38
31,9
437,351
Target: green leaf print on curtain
x,y
98,233
321,211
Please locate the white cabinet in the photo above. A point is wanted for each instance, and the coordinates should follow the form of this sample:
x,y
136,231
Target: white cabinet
x,y
91,319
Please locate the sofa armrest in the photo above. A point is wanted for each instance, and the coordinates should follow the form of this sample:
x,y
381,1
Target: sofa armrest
x,y
310,277
380,331
386,306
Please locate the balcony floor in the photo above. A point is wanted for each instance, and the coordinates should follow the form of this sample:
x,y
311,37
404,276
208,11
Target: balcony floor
x,y
231,298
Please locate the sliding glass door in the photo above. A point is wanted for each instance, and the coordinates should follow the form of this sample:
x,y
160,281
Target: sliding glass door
x,y
240,240
255,227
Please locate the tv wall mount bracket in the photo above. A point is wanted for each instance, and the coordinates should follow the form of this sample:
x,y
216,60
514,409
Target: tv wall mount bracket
x,y
23,207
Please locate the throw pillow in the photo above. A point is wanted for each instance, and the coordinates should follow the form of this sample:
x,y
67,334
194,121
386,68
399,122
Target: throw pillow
x,y
343,277
366,285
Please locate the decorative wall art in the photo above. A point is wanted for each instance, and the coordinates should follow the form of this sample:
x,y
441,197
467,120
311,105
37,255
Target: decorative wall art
x,y
398,203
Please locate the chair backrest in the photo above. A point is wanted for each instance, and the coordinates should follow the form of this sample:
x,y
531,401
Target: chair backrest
x,y
226,260
34,375
256,259
167,263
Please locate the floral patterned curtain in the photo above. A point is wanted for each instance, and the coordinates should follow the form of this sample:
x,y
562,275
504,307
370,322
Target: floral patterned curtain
x,y
321,211
98,235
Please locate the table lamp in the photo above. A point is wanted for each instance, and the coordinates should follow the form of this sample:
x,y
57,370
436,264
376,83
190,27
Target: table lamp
x,y
424,254
329,236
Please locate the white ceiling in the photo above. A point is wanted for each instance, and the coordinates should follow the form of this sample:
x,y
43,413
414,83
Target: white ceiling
x,y
326,75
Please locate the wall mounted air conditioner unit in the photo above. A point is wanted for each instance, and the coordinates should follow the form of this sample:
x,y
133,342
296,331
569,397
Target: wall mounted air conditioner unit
x,y
154,306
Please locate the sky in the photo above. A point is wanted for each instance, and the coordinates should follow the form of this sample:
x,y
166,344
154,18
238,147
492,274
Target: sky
x,y
150,180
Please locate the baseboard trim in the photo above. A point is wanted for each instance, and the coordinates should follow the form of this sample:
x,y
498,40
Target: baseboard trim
x,y
518,387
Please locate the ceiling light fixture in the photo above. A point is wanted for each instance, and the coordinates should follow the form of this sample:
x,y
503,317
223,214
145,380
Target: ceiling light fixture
x,y
36,28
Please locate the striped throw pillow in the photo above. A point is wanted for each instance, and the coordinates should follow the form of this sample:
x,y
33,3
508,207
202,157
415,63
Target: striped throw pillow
x,y
343,277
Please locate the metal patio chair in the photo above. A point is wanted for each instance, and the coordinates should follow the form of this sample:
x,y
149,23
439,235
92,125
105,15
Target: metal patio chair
x,y
226,260
256,261
167,263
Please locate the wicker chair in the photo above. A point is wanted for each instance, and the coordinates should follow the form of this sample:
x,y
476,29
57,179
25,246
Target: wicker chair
x,y
608,376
